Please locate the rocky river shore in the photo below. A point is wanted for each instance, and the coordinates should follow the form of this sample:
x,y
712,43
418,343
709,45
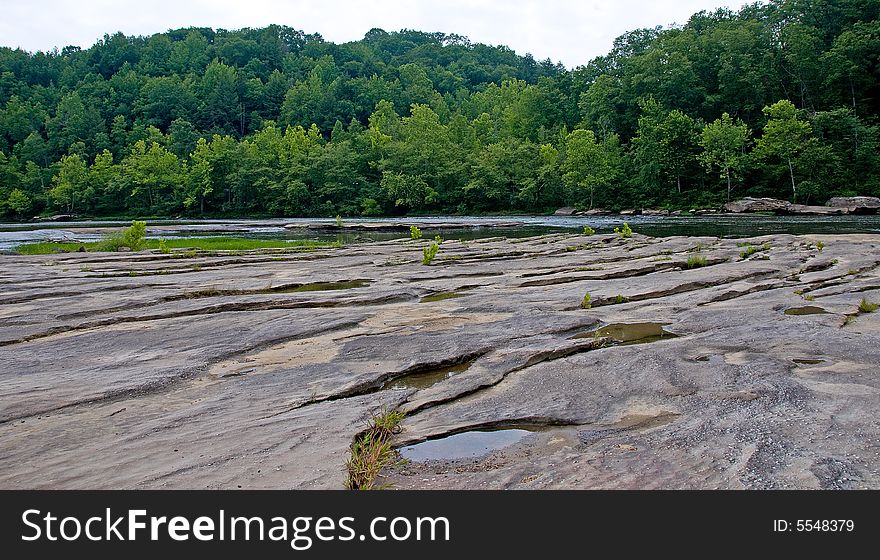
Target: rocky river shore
x,y
699,362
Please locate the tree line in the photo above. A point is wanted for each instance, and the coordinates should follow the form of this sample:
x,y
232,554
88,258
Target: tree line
x,y
777,99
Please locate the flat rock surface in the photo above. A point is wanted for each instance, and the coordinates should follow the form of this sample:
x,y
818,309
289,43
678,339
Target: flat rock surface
x,y
257,369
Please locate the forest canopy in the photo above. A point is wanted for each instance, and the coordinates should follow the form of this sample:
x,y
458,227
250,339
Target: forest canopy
x,y
778,99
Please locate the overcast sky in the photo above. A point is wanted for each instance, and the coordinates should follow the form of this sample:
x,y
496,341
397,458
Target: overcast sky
x,y
567,31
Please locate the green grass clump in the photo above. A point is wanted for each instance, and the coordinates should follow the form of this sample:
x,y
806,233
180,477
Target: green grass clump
x,y
866,306
620,299
415,233
163,247
585,303
752,249
371,451
695,261
588,230
338,221
820,245
429,252
624,232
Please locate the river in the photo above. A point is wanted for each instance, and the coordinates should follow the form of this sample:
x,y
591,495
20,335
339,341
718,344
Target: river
x,y
738,225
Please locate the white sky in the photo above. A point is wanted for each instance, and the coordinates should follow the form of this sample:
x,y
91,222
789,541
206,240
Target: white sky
x,y
567,31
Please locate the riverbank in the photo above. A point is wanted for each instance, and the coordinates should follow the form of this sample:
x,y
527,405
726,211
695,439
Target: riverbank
x,y
700,362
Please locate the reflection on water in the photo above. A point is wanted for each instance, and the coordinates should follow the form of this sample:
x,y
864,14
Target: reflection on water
x,y
463,446
477,227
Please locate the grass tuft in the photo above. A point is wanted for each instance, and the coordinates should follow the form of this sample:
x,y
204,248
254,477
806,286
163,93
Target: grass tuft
x,y
371,451
866,306
695,261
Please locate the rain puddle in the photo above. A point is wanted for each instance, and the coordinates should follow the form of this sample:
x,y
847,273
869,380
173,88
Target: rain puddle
x,y
440,297
465,445
631,333
425,379
806,310
807,362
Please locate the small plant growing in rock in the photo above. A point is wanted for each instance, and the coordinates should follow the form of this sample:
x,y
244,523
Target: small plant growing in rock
x,y
163,247
752,249
371,451
438,239
866,306
819,246
808,297
620,299
588,230
429,252
338,221
585,303
415,233
624,232
695,261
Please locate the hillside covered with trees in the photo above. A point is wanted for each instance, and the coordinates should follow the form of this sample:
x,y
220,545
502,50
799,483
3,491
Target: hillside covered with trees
x,y
780,99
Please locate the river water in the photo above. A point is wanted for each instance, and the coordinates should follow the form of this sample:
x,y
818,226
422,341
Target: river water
x,y
741,225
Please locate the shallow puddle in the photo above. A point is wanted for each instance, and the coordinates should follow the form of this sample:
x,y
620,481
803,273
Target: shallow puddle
x,y
425,379
631,333
465,445
806,310
440,297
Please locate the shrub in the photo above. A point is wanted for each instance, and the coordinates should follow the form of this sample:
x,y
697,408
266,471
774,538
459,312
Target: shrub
x,y
131,237
588,230
429,252
624,232
415,233
585,303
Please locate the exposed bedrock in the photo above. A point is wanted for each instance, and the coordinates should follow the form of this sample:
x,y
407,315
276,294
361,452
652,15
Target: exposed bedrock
x,y
699,363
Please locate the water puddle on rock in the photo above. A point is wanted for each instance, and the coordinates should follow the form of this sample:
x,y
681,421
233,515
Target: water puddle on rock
x,y
465,445
440,297
807,362
425,379
806,310
631,333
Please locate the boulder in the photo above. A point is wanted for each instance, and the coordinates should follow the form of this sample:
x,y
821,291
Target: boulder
x,y
566,211
856,204
655,212
595,212
629,212
749,204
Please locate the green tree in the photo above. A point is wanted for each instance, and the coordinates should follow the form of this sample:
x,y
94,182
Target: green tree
x,y
588,165
724,143
785,137
69,186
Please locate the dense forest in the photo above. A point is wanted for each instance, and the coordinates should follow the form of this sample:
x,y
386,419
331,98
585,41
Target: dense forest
x,y
779,99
